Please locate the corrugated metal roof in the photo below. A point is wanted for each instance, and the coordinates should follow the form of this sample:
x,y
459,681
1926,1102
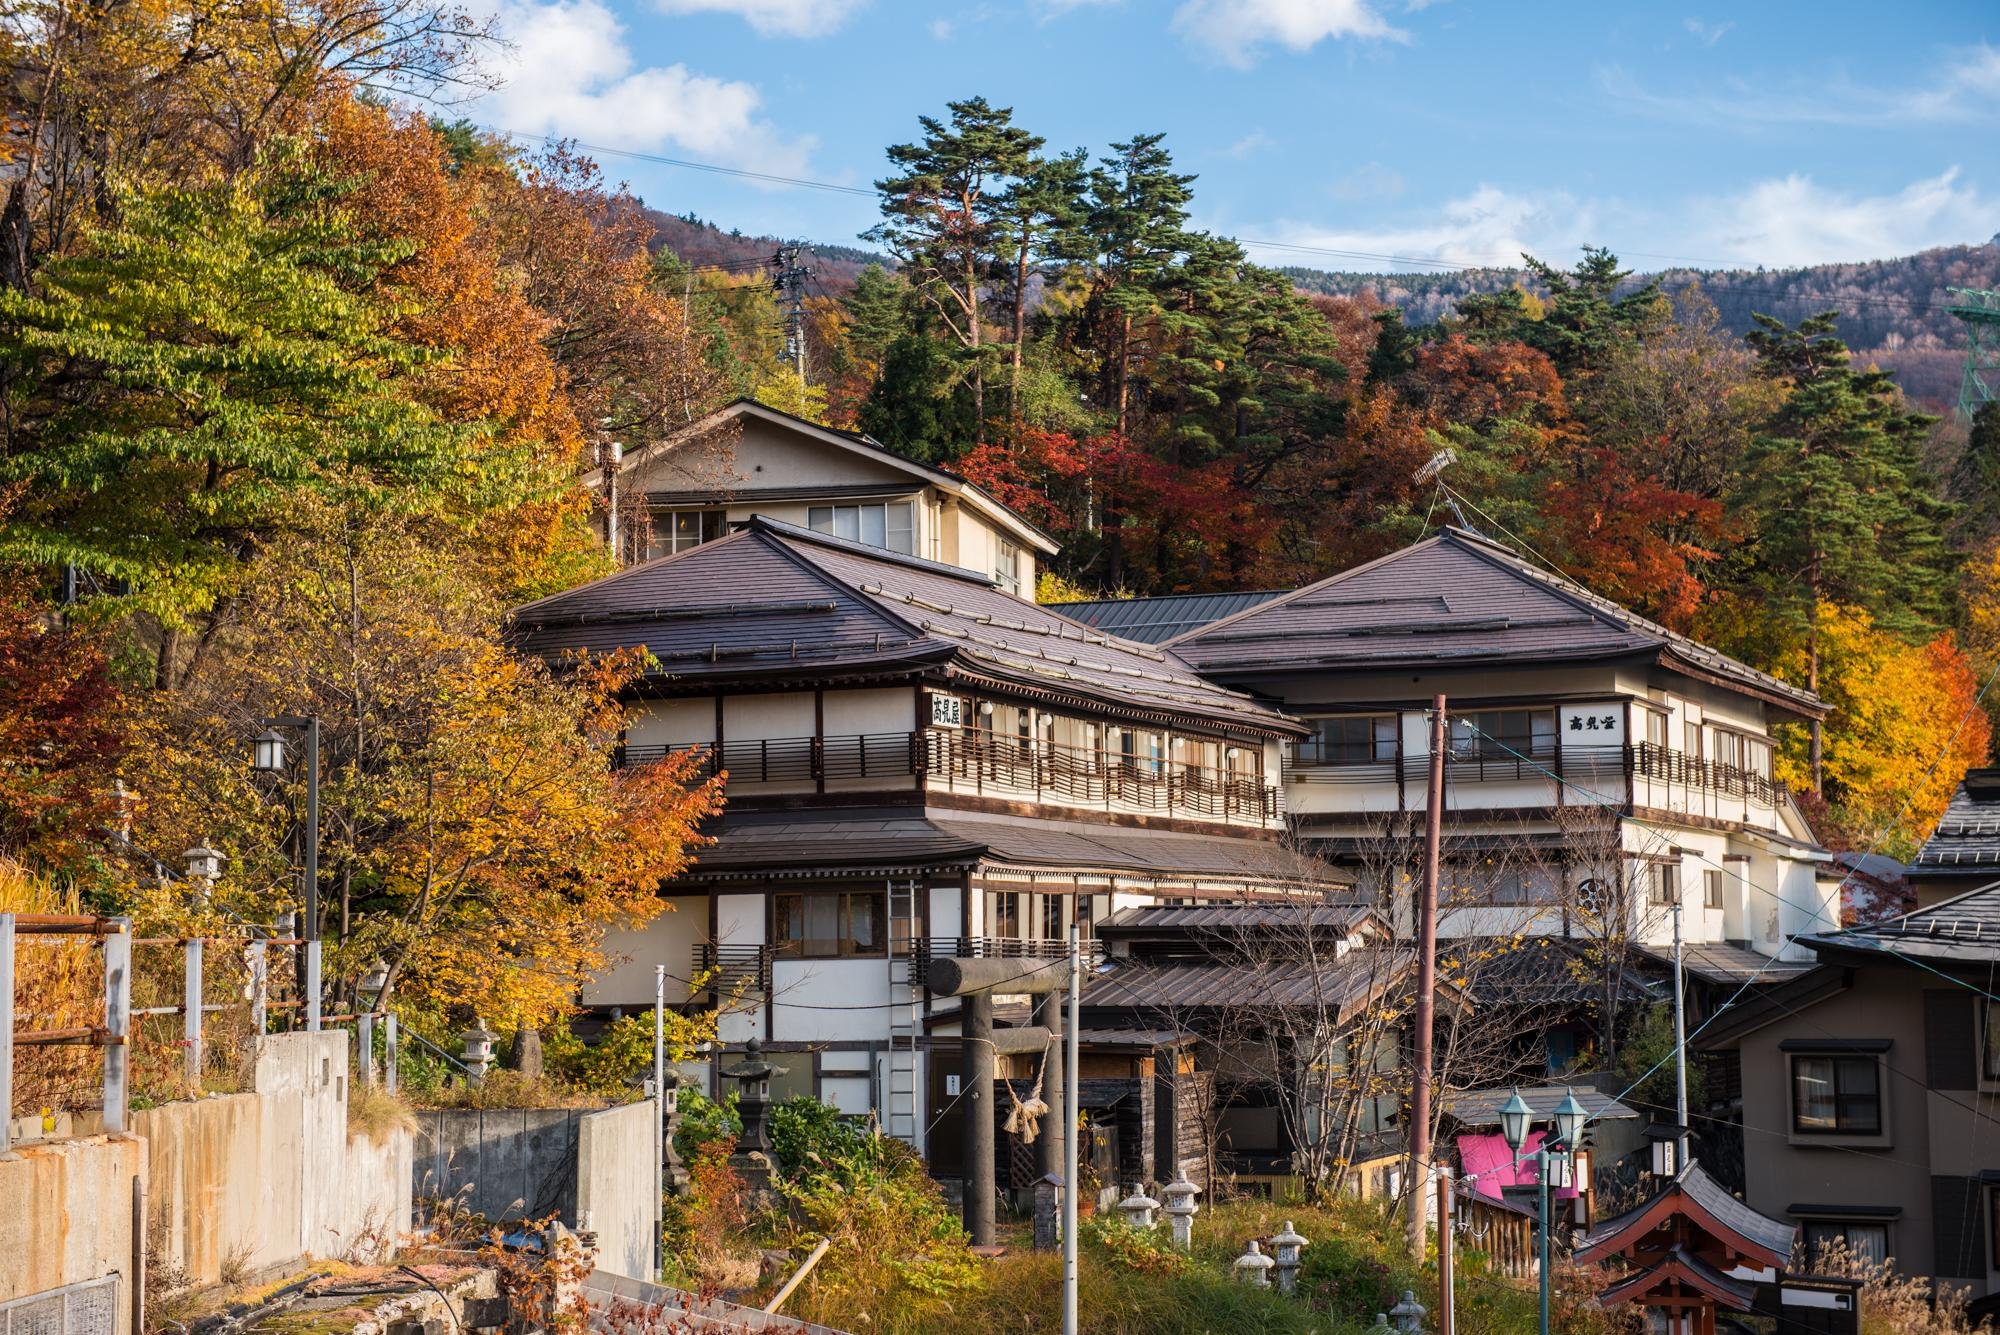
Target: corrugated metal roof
x,y
1233,917
870,840
772,599
1721,963
1966,841
1336,987
1481,1107
1154,620
1454,598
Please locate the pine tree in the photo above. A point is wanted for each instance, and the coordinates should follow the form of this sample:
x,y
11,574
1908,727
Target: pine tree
x,y
1041,218
942,218
1836,502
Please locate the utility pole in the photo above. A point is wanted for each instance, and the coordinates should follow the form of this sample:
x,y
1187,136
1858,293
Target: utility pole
x,y
790,285
1427,907
1447,1309
1074,1085
659,1110
1680,1049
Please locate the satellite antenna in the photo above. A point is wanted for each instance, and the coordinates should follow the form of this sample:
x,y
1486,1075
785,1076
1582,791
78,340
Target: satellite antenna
x,y
1434,468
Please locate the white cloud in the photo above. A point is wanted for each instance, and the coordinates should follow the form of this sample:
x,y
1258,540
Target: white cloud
x,y
1779,223
1965,87
1236,30
941,29
773,18
1708,34
1490,226
568,71
1369,181
1254,142
1792,221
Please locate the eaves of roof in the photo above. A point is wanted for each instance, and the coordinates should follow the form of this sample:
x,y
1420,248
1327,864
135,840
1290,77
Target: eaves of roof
x,y
1756,1008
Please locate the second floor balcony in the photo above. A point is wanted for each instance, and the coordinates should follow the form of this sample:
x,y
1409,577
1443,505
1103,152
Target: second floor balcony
x,y
1310,761
978,761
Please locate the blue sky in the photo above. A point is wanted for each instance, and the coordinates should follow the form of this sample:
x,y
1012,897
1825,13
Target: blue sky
x,y
1439,130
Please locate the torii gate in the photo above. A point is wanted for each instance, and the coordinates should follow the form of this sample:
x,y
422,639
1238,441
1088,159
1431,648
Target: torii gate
x,y
1694,1248
973,982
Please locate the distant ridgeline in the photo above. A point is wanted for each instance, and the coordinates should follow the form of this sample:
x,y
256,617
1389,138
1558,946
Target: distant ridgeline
x,y
1891,311
698,243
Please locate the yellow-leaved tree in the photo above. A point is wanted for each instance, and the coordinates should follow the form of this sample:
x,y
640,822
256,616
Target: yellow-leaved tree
x,y
1905,727
474,833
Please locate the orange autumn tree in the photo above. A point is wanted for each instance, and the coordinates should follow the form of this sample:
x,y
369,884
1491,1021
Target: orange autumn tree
x,y
474,833
1905,726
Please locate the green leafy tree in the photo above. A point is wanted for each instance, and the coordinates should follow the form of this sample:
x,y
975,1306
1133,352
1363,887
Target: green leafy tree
x,y
1041,216
176,386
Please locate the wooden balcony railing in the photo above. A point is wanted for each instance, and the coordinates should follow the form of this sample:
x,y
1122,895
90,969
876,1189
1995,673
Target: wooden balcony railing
x,y
1658,762
925,949
1082,776
740,971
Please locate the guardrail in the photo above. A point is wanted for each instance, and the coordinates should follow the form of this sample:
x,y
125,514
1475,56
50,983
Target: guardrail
x,y
1098,778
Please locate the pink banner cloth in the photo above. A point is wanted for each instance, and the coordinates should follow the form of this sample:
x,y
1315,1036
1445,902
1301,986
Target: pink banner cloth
x,y
1488,1163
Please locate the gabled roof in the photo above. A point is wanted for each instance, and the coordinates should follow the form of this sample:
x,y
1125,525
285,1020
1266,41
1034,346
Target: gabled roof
x,y
1966,842
1157,620
776,602
1962,929
1680,1266
1693,1193
1459,599
1211,919
1723,964
854,442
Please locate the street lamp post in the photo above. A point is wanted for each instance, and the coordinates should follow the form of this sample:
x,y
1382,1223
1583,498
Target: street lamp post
x,y
1516,1117
267,756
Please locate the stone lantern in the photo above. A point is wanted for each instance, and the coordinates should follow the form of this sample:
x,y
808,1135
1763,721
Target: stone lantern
x,y
752,1158
673,1172
478,1051
1408,1314
1181,1209
1253,1267
1138,1208
1287,1246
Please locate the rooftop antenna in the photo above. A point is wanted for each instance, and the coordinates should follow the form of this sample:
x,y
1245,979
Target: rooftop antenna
x,y
1434,468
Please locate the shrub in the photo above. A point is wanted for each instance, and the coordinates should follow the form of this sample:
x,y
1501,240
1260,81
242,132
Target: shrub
x,y
805,1131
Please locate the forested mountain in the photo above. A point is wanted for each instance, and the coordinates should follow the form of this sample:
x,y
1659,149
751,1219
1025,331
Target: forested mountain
x,y
1891,312
701,244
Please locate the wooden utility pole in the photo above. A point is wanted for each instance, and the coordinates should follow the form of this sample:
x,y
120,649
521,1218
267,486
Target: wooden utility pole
x,y
1427,909
1447,1311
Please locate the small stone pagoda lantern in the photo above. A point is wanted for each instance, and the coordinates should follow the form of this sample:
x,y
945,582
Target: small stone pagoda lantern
x,y
1181,1209
477,1054
1253,1267
1287,1245
1138,1208
752,1158
1408,1315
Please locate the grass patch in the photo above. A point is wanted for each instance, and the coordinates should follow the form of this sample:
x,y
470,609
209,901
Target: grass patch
x,y
374,1112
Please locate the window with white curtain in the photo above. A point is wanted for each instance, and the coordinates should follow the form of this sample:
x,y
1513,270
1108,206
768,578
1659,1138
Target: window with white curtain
x,y
890,525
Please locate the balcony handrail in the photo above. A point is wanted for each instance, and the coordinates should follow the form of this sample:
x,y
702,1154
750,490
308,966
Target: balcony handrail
x,y
1096,776
790,759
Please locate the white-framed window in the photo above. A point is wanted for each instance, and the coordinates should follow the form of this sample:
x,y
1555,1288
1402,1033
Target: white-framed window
x,y
1692,734
891,525
1757,756
1007,567
1711,888
1728,748
829,924
1663,882
1656,727
670,531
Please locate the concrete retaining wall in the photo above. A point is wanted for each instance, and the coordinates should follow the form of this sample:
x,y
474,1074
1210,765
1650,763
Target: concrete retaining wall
x,y
503,1163
618,1185
240,1180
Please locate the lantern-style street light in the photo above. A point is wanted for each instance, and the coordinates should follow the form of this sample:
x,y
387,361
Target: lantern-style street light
x,y
1568,1120
270,754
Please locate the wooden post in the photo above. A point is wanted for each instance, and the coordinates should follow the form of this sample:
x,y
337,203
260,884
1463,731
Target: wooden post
x,y
6,1031
1049,1148
976,1012
191,1012
118,1026
1427,904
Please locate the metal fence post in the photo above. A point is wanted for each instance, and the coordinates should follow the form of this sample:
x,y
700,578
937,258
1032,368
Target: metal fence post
x,y
191,1008
6,1031
118,1026
311,987
389,1051
260,980
364,1033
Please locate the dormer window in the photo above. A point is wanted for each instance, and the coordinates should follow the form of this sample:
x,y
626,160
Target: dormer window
x,y
890,525
1007,567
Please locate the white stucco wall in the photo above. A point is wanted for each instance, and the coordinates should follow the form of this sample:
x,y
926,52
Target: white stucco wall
x,y
820,1000
668,939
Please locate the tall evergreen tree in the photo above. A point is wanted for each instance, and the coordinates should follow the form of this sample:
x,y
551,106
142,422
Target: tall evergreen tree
x,y
1041,219
943,218
1836,503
